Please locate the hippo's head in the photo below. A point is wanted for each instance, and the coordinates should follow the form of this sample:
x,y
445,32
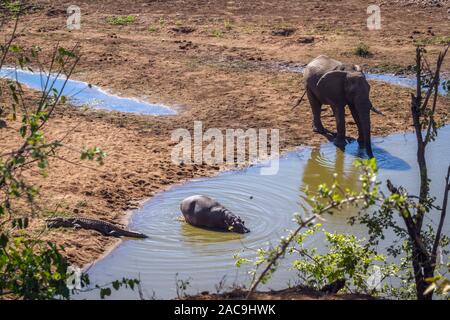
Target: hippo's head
x,y
237,225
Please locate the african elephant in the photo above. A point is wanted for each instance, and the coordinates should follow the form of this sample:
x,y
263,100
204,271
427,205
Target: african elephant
x,y
203,211
328,81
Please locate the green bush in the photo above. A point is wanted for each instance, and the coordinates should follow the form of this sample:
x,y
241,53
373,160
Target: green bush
x,y
361,50
32,269
346,258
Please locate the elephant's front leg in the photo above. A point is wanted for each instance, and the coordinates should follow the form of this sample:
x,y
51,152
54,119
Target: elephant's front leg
x,y
358,124
340,126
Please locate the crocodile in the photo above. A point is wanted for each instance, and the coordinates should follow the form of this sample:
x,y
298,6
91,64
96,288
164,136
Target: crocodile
x,y
105,228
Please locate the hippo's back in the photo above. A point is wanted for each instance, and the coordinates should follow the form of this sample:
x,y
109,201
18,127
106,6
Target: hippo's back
x,y
197,210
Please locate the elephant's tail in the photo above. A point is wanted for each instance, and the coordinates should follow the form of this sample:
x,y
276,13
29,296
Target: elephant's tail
x,y
376,110
299,101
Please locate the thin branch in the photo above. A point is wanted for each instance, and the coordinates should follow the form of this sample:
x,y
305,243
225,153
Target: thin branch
x,y
279,254
411,226
442,218
76,164
9,42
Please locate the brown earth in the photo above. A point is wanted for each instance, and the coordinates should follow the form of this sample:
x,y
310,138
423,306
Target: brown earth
x,y
213,61
295,293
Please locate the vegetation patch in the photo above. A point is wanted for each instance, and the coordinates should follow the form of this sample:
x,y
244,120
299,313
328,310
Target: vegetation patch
x,y
227,25
11,7
121,20
217,33
436,41
362,50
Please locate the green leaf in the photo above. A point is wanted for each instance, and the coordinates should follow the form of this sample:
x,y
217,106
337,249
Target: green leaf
x,y
105,292
14,48
116,285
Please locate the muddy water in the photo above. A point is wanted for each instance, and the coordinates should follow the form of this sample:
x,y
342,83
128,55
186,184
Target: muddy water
x,y
266,203
82,94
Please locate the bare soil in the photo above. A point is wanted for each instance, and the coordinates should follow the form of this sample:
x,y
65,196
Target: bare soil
x,y
295,293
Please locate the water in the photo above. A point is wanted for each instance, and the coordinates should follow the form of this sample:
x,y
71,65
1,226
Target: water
x,y
82,94
402,81
266,203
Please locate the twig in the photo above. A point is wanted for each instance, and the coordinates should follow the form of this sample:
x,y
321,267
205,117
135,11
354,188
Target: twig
x,y
8,44
280,253
442,218
77,164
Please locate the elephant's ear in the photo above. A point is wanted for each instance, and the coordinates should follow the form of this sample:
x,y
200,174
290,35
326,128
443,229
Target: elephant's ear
x,y
331,87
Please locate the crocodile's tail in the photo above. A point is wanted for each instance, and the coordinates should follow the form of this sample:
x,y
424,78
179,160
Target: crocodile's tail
x,y
133,234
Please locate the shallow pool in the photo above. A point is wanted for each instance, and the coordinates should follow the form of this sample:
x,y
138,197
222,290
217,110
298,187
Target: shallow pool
x,y
83,94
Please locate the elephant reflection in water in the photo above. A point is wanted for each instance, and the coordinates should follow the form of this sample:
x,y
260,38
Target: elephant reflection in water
x,y
320,169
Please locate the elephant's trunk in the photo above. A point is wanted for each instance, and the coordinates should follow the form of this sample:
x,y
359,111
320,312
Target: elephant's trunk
x,y
365,121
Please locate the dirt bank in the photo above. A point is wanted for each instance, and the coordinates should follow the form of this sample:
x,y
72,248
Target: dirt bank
x,y
217,72
295,293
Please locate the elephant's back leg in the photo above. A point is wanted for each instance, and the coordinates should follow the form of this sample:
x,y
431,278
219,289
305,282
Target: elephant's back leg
x,y
316,108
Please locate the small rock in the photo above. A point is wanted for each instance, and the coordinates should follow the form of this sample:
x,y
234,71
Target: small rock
x,y
55,12
187,45
285,32
183,29
307,39
334,287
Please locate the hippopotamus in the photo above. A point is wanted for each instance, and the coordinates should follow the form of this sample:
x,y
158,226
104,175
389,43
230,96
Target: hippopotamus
x,y
202,211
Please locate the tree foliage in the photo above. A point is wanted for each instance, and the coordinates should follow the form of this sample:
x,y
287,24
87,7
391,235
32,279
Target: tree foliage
x,y
31,268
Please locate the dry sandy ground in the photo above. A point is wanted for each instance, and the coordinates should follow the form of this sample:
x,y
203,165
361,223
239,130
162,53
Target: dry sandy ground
x,y
220,74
